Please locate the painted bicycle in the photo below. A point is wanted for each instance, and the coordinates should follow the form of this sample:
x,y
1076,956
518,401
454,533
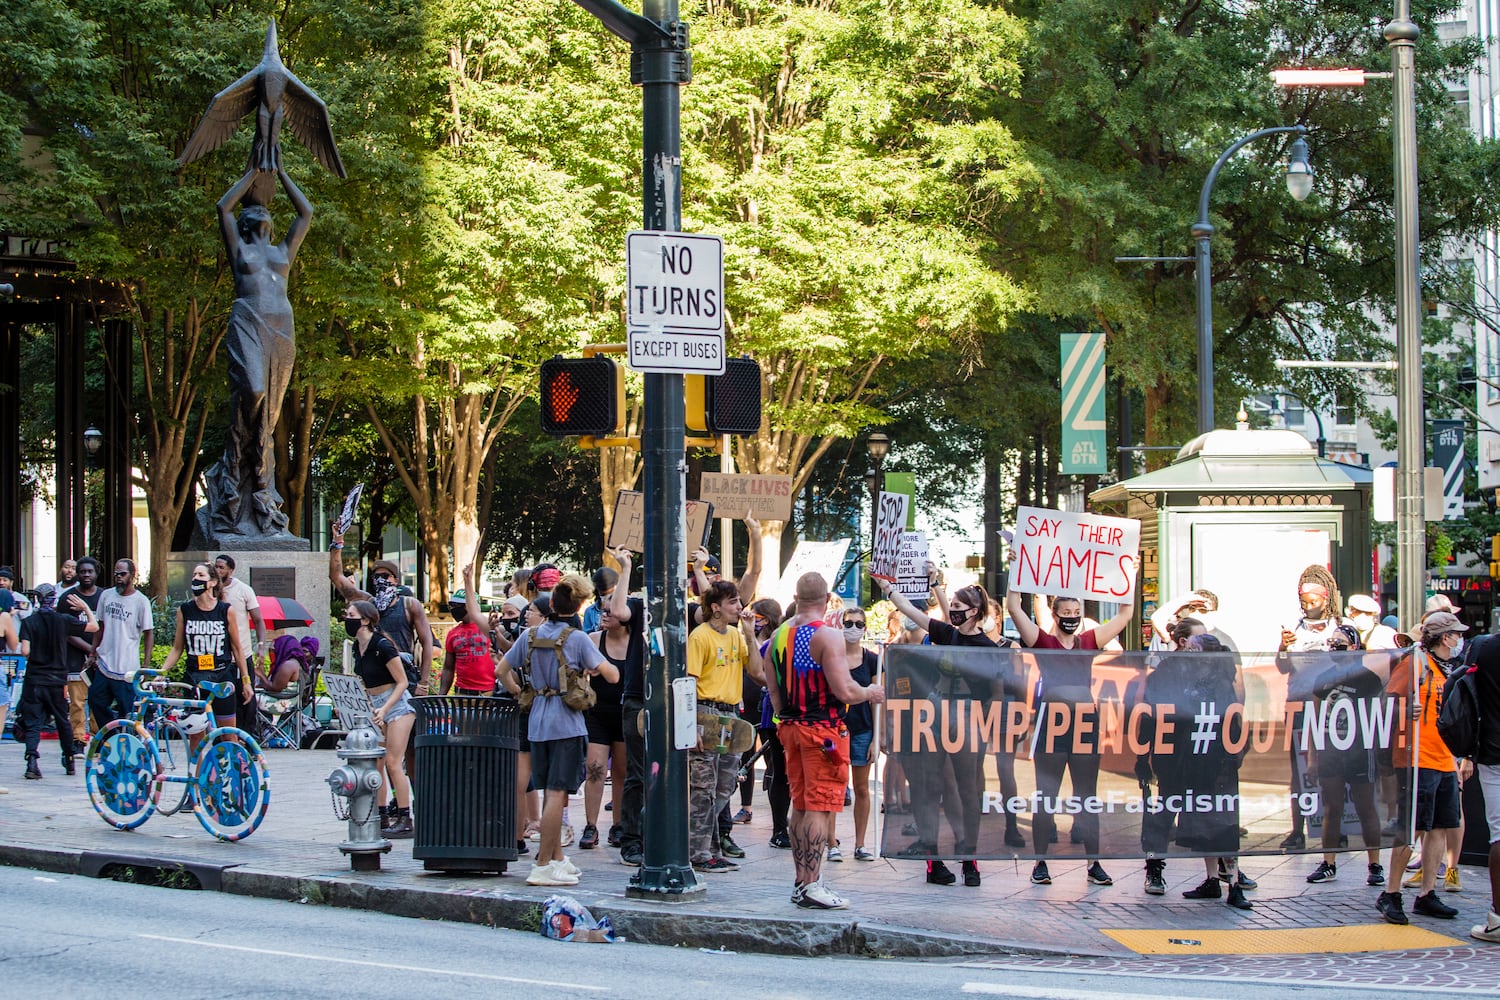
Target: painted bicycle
x,y
146,763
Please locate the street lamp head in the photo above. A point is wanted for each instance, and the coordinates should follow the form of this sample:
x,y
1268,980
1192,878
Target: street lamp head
x,y
877,444
1299,171
93,440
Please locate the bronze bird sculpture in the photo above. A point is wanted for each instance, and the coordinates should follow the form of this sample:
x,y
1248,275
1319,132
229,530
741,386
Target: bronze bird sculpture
x,y
276,96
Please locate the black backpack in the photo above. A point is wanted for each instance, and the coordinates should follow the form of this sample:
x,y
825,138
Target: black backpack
x,y
1458,721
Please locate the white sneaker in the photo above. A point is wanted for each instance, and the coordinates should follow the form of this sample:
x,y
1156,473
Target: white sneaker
x,y
567,867
817,896
567,836
549,875
834,854
1489,930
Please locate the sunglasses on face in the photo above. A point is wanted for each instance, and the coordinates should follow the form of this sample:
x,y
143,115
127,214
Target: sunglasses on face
x,y
854,623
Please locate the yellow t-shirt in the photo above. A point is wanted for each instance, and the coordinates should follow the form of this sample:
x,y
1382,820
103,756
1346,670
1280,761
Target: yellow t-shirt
x,y
717,659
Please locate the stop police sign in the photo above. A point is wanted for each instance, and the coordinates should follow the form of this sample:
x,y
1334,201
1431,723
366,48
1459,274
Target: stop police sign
x,y
675,311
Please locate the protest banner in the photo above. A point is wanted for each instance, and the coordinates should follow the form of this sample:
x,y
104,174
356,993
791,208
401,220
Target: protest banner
x,y
890,522
823,558
911,566
628,529
1124,755
769,498
1087,556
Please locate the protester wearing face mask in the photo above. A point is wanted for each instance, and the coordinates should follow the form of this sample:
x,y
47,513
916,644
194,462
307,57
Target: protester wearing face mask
x,y
378,665
468,664
124,622
1363,613
966,610
403,619
864,667
1067,680
213,648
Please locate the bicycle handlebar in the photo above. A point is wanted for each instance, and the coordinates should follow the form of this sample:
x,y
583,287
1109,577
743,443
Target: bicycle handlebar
x,y
149,675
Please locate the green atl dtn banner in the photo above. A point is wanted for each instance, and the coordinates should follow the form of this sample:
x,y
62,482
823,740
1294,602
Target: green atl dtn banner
x,y
1083,448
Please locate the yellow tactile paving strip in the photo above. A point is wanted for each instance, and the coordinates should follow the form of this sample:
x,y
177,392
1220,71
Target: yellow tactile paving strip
x,y
1297,941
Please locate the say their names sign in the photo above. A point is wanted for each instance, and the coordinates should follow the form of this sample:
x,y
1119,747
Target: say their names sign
x,y
769,498
890,522
628,528
1087,556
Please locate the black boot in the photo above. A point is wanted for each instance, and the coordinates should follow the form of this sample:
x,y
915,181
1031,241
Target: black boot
x,y
1013,836
385,818
33,772
401,826
67,764
939,873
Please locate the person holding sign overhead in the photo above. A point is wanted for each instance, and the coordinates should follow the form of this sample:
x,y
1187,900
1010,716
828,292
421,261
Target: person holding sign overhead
x,y
1067,681
966,611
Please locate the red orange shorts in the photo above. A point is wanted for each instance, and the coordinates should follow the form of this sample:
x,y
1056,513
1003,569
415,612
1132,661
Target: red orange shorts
x,y
817,765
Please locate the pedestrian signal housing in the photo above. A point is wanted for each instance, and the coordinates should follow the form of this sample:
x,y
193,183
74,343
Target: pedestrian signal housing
x,y
725,404
582,396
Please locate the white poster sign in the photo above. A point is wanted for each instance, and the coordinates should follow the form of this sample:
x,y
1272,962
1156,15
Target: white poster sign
x,y
823,558
1087,556
890,524
911,567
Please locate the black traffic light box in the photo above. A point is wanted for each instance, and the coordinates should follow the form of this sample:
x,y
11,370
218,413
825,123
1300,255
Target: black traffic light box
x,y
583,396
725,404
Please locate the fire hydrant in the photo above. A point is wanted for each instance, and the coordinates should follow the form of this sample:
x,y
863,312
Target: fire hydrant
x,y
358,781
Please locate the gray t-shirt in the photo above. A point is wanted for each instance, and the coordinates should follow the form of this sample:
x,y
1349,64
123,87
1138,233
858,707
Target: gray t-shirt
x,y
551,718
123,618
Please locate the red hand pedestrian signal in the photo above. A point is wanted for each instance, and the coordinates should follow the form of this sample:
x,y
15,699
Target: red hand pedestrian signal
x,y
582,396
563,397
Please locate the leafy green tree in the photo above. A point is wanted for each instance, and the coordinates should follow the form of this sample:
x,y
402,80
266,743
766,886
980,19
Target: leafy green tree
x,y
810,133
1123,107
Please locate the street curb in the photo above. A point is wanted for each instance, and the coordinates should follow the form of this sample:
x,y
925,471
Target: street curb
x,y
675,926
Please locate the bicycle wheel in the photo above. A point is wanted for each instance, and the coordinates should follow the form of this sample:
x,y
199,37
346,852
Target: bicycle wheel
x,y
231,787
174,758
120,773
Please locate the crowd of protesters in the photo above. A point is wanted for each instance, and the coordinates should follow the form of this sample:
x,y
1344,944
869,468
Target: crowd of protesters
x,y
800,682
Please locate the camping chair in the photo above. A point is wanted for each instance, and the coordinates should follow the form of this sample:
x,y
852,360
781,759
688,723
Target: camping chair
x,y
286,716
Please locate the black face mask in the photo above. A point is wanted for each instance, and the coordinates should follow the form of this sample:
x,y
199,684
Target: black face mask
x,y
381,584
198,586
512,626
351,627
957,616
1069,625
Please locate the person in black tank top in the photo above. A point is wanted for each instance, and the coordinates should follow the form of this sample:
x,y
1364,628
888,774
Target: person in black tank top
x,y
208,643
622,647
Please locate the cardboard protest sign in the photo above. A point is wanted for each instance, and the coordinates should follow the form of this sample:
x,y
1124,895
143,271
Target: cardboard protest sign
x,y
769,498
628,528
351,507
1087,556
823,558
911,566
890,522
347,692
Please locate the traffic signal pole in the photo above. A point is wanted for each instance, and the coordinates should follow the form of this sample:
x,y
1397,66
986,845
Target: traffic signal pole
x,y
660,65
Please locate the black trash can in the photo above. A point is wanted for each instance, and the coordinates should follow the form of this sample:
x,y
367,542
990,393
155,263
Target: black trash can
x,y
464,794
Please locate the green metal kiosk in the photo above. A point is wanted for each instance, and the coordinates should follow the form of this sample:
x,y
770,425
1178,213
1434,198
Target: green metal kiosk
x,y
1242,513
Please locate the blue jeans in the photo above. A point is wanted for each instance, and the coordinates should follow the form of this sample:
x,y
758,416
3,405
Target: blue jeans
x,y
105,694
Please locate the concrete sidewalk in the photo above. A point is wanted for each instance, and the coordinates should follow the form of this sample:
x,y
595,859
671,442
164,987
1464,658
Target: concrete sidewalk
x,y
49,824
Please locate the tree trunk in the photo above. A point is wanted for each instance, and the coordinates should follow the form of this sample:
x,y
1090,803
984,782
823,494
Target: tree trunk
x,y
172,422
294,451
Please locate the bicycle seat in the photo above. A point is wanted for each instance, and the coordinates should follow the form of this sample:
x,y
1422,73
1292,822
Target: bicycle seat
x,y
217,689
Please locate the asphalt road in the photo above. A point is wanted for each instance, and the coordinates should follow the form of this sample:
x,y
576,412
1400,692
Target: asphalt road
x,y
67,936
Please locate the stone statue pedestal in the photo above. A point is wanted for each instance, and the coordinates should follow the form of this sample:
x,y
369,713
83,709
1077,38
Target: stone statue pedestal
x,y
302,575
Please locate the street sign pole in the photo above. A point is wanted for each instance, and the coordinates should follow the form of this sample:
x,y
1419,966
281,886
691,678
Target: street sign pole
x,y
660,65
666,872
